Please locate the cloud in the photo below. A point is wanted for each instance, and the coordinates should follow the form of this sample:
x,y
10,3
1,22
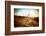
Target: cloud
x,y
27,12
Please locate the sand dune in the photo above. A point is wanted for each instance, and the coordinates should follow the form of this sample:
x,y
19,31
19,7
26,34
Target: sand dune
x,y
25,21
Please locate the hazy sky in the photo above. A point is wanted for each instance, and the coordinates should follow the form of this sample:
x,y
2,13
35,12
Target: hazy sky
x,y
26,12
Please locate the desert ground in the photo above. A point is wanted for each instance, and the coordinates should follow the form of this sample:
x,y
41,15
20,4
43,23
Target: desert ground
x,y
21,21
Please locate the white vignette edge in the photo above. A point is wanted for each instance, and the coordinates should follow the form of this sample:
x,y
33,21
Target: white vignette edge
x,y
12,28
